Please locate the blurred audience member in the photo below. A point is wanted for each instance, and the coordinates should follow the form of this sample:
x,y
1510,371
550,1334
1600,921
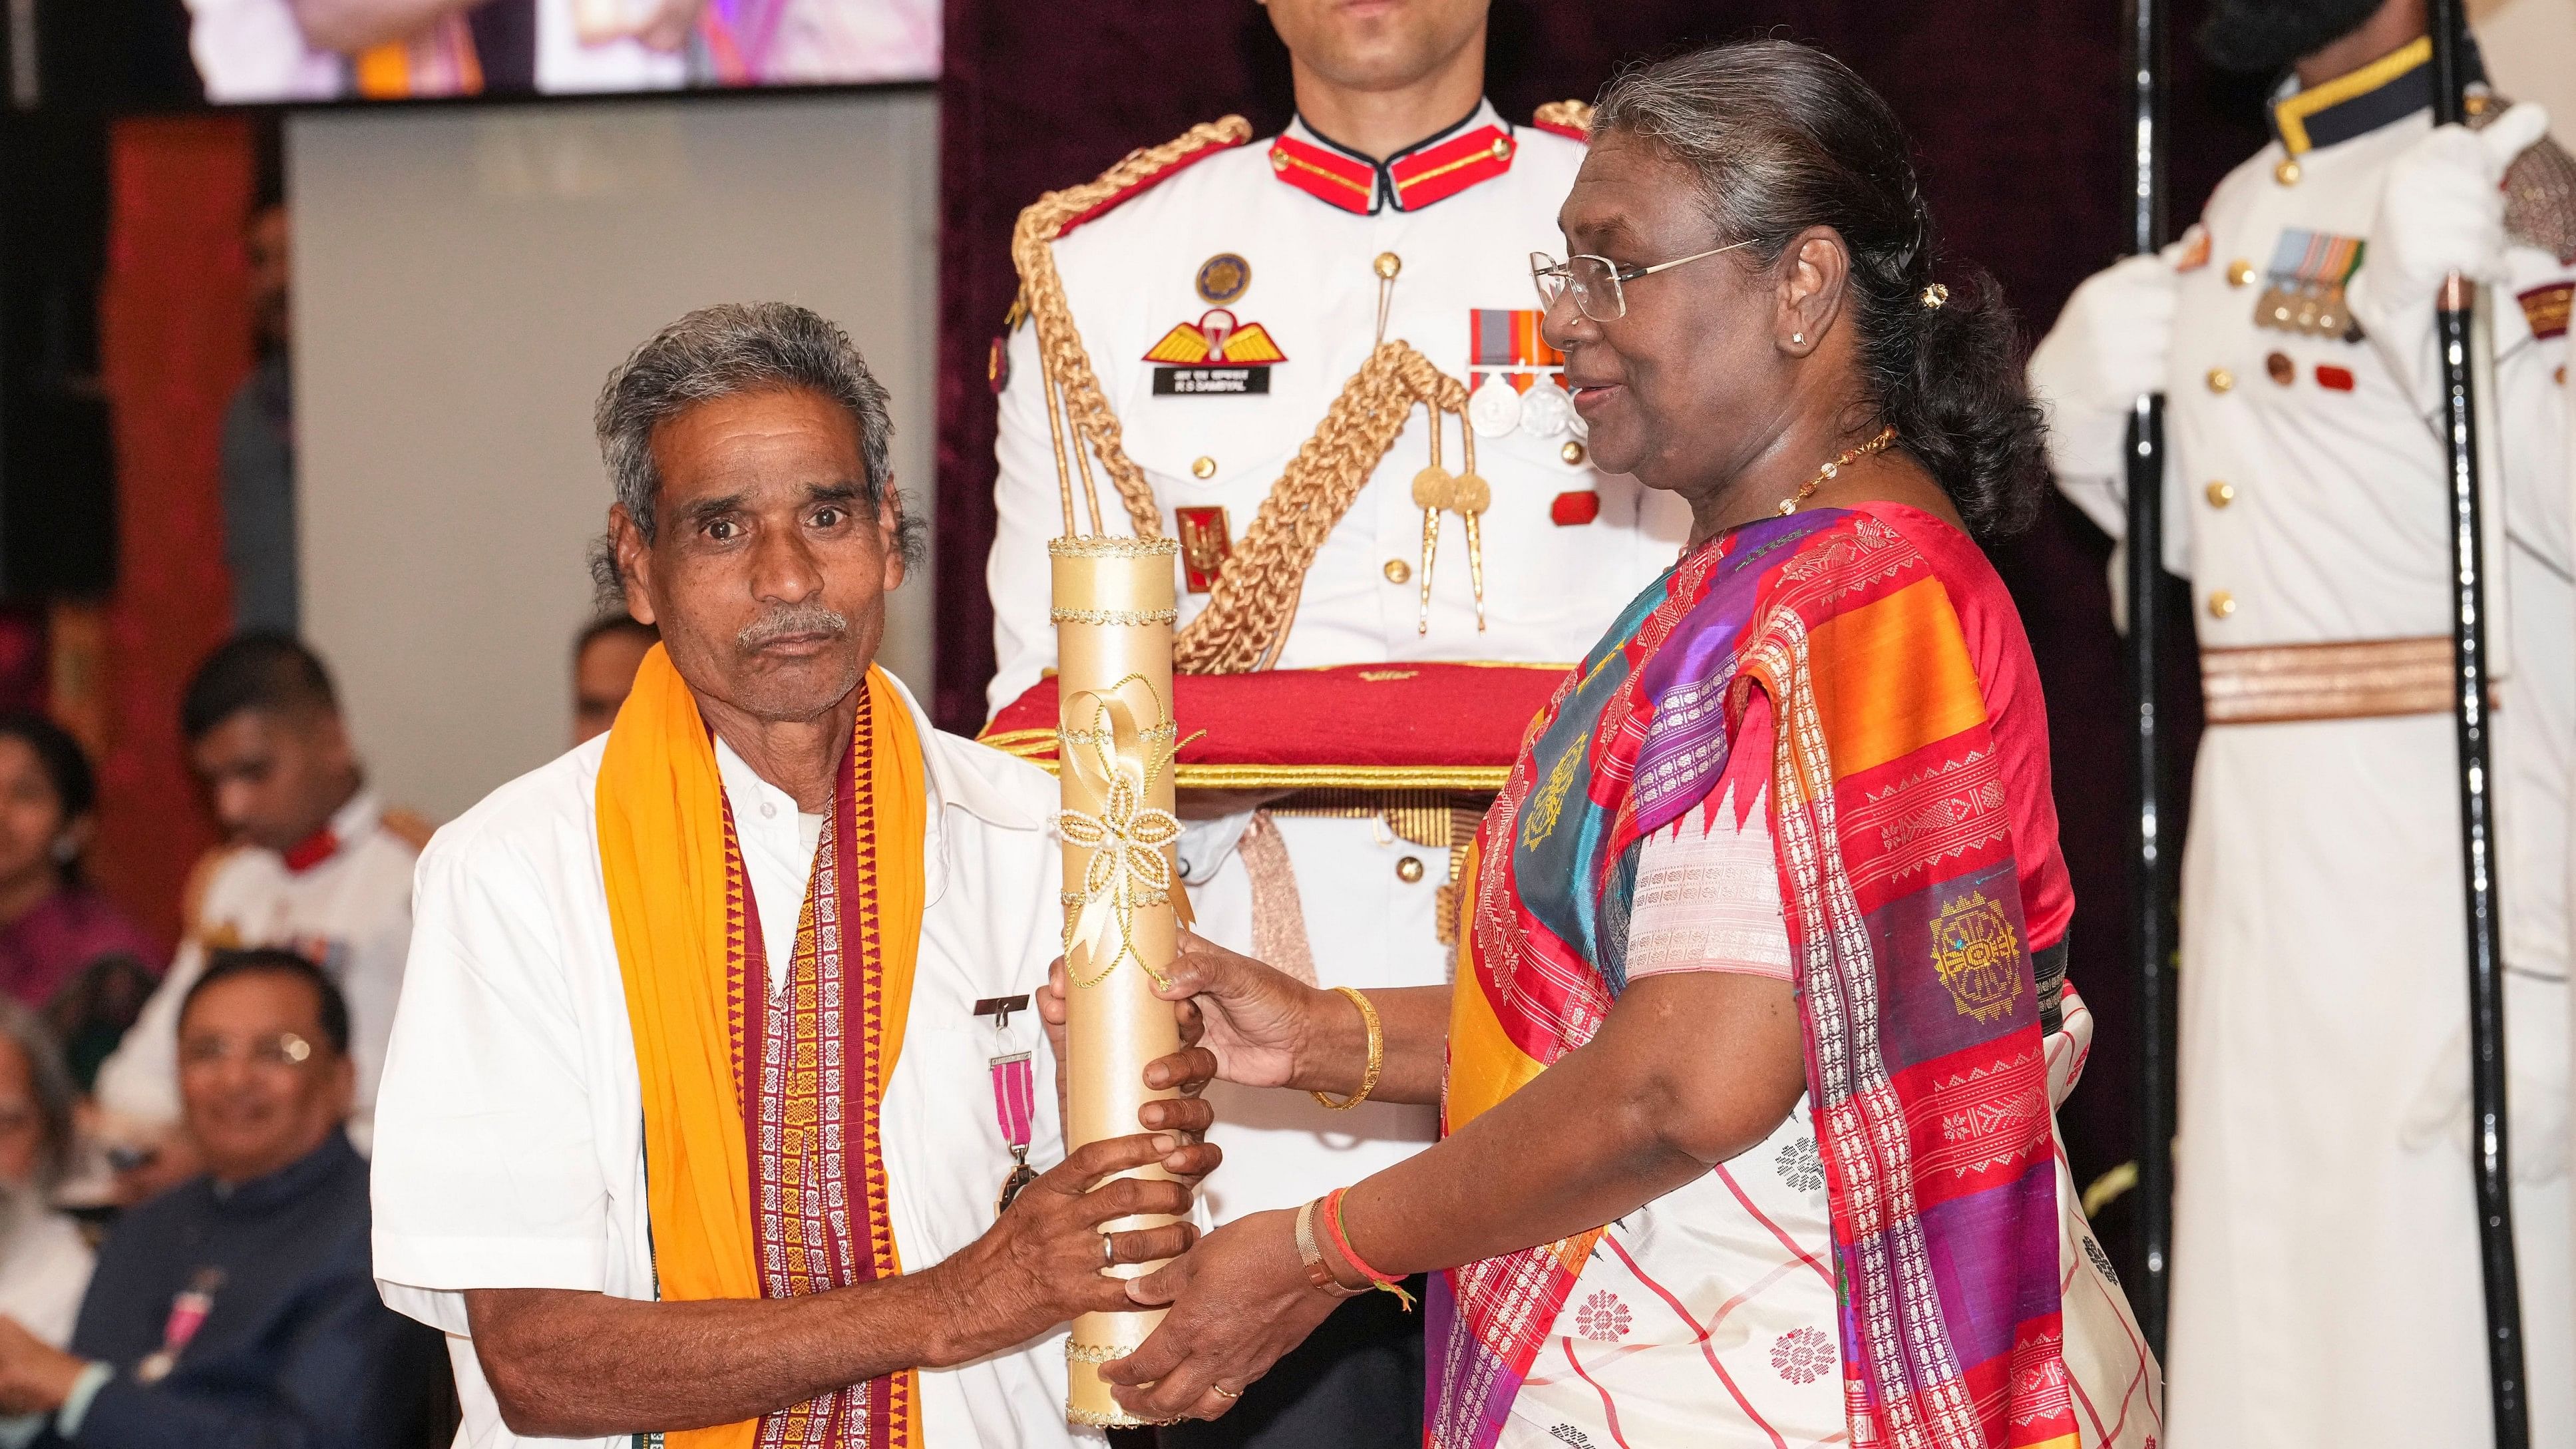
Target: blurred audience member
x,y
240,1308
44,1260
604,658
317,867
259,444
51,925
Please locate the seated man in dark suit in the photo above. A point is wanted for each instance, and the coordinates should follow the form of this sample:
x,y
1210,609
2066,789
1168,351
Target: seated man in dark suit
x,y
240,1307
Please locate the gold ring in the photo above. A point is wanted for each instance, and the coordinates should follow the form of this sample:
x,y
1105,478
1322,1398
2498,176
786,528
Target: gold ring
x,y
1223,1390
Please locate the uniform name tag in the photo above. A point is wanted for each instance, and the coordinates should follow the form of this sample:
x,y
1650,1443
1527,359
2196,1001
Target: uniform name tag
x,y
1191,381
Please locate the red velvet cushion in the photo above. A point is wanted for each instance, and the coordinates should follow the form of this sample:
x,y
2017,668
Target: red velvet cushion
x,y
1381,726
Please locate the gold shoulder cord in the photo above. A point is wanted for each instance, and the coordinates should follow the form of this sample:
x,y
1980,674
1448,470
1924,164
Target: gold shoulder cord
x,y
1255,598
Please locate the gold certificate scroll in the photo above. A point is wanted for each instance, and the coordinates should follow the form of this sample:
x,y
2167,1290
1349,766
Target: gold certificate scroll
x,y
1114,609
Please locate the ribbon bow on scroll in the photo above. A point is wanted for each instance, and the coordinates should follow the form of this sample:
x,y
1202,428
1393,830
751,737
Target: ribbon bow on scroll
x,y
1119,760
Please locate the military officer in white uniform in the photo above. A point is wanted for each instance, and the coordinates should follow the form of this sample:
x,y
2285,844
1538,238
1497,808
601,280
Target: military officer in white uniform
x,y
2326,1287
316,866
1398,206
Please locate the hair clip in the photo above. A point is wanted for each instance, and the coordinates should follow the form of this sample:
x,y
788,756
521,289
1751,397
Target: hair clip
x,y
1934,296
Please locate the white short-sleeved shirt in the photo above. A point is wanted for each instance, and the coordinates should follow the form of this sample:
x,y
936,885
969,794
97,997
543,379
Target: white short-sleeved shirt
x,y
509,1145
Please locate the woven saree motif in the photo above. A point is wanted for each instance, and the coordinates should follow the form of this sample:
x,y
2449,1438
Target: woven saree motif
x,y
1924,1064
806,1059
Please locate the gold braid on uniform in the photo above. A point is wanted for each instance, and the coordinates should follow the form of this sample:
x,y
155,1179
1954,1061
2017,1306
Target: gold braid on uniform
x,y
1255,596
1060,353
1575,115
2539,187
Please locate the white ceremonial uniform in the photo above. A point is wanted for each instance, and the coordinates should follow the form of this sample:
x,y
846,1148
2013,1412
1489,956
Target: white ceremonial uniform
x,y
511,1151
343,903
1550,585
2326,1287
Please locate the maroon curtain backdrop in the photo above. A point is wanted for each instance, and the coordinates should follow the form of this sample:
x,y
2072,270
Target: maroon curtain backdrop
x,y
2020,121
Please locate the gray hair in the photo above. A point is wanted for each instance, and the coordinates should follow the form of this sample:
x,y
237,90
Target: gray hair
x,y
1781,137
51,1082
723,351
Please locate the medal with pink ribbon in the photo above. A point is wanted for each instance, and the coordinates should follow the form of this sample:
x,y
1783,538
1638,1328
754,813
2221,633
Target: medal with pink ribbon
x,y
1015,1099
187,1314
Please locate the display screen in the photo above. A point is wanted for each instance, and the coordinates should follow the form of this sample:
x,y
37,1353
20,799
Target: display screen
x,y
266,52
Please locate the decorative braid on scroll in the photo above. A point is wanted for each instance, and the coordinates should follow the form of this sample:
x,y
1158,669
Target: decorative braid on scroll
x,y
1255,598
1060,352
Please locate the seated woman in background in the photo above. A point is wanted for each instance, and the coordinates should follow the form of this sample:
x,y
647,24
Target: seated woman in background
x,y
1751,1059
51,925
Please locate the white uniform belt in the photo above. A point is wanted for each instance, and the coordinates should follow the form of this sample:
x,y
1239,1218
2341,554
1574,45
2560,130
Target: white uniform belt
x,y
2355,679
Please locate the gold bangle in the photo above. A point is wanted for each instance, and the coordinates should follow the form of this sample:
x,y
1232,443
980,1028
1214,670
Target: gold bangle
x,y
1376,1055
1311,1249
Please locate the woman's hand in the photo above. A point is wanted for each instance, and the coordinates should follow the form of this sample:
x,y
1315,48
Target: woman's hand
x,y
1239,1300
1258,1023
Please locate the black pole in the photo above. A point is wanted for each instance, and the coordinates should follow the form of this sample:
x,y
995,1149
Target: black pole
x,y
2456,334
2144,21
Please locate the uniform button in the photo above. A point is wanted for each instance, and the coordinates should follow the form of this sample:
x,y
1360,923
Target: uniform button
x,y
2220,494
2281,369
1203,468
1387,265
2287,173
1398,571
1571,452
2220,379
766,808
2240,272
1409,869
2221,604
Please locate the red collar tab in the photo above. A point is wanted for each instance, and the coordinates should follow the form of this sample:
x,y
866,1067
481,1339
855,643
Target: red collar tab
x,y
312,850
1413,179
1324,174
1442,171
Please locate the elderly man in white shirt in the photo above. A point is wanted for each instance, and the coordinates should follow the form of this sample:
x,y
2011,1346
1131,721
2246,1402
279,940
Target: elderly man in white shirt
x,y
618,1136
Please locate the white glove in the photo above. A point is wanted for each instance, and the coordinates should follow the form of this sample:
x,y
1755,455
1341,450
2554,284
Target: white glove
x,y
2441,210
2111,344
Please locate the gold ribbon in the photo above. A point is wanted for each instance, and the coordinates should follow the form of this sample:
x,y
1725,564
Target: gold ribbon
x,y
1118,761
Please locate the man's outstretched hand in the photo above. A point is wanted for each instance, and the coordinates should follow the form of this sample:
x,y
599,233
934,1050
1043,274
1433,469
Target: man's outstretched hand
x,y
1040,1265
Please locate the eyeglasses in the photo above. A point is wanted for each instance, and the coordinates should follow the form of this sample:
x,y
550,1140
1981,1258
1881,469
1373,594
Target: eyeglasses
x,y
283,1051
1596,282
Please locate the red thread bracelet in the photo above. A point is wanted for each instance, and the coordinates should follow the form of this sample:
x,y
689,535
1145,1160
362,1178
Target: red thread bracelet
x,y
1333,1225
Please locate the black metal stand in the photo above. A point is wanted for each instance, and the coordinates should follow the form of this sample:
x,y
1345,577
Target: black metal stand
x,y
2144,21
2455,334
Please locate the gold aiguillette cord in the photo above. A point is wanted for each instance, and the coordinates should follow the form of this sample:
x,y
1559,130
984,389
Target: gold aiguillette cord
x,y
1436,490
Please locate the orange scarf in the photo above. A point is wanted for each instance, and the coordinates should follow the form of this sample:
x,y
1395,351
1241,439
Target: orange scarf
x,y
663,857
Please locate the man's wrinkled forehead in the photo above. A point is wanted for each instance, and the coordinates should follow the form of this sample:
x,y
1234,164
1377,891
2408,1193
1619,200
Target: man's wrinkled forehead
x,y
757,451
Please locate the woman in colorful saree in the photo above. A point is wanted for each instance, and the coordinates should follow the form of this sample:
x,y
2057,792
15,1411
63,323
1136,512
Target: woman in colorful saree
x,y
1748,1071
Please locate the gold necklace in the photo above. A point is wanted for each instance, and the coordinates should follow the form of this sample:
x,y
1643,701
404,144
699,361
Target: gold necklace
x,y
1850,456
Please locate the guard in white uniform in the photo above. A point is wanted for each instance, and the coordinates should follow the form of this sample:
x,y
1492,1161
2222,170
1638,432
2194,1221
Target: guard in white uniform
x,y
1276,243
2326,1287
1224,305
337,892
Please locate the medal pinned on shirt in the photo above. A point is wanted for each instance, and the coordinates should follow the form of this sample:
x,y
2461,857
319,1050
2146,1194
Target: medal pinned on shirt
x,y
187,1314
1015,1099
1514,378
2303,288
